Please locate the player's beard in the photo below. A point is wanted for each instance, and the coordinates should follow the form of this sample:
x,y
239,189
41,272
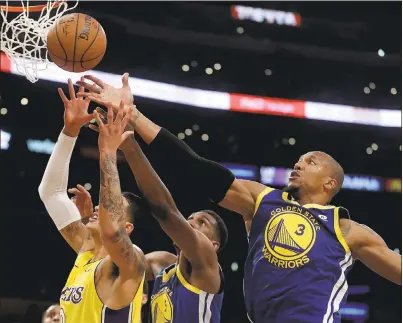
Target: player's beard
x,y
292,190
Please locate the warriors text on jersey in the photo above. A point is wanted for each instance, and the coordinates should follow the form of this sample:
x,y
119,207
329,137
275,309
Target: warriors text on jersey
x,y
174,300
297,262
80,303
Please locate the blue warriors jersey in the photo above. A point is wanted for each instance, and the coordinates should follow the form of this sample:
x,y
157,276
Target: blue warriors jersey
x,y
297,262
174,300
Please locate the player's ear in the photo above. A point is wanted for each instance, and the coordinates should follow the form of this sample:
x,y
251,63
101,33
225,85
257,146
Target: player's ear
x,y
129,228
144,299
216,245
330,184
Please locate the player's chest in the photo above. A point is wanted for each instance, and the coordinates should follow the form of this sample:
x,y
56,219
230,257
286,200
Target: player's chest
x,y
290,230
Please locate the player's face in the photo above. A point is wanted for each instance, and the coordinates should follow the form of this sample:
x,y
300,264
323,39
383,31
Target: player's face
x,y
52,315
310,173
206,224
93,223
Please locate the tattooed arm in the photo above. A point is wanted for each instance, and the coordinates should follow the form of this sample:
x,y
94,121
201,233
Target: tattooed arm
x,y
367,246
115,239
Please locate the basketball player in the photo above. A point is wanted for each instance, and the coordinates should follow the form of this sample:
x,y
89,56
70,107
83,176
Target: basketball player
x,y
158,262
52,314
300,247
187,288
106,282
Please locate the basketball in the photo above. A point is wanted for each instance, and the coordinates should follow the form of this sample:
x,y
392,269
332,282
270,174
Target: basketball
x,y
76,42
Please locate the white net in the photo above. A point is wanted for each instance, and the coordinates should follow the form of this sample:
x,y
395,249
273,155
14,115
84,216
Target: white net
x,y
23,38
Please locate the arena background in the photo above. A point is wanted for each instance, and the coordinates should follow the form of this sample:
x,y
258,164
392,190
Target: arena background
x,y
346,54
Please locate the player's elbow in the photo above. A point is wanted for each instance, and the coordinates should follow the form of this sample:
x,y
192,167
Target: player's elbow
x,y
111,232
42,191
46,193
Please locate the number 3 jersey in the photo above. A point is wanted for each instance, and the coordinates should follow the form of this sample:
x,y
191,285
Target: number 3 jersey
x,y
297,262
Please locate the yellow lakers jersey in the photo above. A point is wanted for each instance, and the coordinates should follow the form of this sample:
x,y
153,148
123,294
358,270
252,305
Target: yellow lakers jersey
x,y
80,303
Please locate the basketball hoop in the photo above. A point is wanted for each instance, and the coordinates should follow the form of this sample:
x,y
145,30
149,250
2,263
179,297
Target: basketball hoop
x,y
23,38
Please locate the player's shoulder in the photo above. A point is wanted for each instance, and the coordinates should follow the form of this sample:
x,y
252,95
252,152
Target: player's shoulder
x,y
138,250
343,212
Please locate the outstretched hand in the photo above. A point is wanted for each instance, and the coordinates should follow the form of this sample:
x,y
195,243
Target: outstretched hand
x,y
125,145
103,93
82,200
75,110
112,134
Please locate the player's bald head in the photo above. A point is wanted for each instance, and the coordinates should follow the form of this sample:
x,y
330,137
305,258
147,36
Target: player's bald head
x,y
336,171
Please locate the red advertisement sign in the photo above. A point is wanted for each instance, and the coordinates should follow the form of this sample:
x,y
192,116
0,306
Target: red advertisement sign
x,y
265,105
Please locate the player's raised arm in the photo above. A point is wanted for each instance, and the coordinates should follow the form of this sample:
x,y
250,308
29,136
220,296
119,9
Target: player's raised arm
x,y
53,187
115,239
195,246
367,246
218,182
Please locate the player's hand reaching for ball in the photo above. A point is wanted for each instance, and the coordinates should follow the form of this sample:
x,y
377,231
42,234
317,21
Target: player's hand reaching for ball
x,y
112,133
75,111
104,93
82,200
125,145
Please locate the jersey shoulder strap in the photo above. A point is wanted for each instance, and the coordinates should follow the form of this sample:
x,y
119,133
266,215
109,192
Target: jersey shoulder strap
x,y
260,197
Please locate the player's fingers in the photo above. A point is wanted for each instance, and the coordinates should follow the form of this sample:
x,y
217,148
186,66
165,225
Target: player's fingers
x,y
102,113
90,87
125,121
72,93
83,94
127,118
125,79
97,81
93,127
73,191
98,119
119,116
82,189
74,200
110,114
81,88
91,97
62,95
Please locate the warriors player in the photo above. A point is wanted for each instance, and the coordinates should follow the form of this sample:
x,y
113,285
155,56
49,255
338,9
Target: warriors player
x,y
106,282
175,298
300,247
190,289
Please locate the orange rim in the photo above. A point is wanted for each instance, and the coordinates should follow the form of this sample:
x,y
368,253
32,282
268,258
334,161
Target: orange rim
x,y
36,8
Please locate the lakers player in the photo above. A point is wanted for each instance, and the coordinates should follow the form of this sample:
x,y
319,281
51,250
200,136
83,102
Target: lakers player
x,y
190,289
164,305
106,282
300,247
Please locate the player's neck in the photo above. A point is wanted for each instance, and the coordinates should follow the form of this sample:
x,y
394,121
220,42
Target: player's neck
x,y
304,199
99,250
